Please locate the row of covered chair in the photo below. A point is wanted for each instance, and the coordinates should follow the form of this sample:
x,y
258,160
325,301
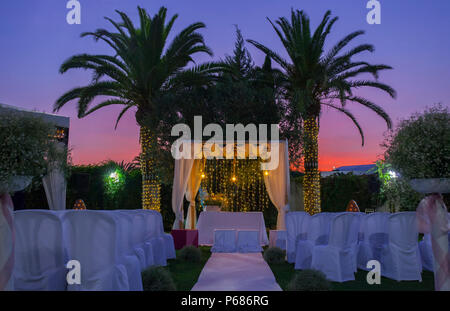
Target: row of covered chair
x,y
340,243
112,247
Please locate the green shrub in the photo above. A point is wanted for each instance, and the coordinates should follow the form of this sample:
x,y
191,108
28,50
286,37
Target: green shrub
x,y
339,189
309,280
157,279
274,255
27,147
190,253
420,146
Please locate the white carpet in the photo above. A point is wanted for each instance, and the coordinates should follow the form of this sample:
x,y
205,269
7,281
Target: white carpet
x,y
236,272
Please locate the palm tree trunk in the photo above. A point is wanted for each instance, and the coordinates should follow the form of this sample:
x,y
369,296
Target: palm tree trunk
x,y
311,180
151,189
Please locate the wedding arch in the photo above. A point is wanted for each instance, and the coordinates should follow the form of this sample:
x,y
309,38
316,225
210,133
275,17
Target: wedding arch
x,y
189,172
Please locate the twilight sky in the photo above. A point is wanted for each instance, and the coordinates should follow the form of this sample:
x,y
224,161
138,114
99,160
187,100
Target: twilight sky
x,y
413,38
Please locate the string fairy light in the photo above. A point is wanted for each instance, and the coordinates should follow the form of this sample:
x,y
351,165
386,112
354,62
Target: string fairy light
x,y
311,180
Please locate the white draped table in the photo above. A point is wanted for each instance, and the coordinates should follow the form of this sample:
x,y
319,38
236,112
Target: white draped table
x,y
209,221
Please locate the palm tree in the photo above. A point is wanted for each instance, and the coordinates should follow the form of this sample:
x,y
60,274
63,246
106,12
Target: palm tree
x,y
314,78
142,71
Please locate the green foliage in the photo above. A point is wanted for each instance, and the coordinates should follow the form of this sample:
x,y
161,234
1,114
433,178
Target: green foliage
x,y
395,191
274,255
157,279
420,146
338,189
309,280
114,182
399,195
26,146
190,253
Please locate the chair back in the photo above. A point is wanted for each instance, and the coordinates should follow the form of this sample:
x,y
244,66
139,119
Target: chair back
x,y
39,242
402,229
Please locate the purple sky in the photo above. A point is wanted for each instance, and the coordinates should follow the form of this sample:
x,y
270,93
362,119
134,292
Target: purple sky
x,y
413,38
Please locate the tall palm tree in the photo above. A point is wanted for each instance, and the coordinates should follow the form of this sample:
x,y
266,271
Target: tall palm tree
x,y
142,70
314,78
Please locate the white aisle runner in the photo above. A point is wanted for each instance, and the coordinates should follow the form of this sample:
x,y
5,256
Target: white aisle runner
x,y
236,272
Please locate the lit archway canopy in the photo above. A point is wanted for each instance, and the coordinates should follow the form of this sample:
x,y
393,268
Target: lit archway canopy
x,y
190,168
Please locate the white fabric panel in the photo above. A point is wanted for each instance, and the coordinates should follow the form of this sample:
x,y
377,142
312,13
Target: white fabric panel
x,y
374,237
296,228
55,189
336,258
224,241
318,230
193,185
208,221
401,255
248,241
91,238
182,172
39,252
278,184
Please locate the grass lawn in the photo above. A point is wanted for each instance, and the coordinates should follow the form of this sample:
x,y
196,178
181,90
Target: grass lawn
x,y
185,274
284,273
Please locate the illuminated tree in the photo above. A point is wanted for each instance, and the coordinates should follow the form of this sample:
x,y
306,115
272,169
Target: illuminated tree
x,y
314,78
143,69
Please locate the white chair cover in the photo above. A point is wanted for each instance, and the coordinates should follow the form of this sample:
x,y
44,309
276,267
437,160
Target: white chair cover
x,y
148,235
248,241
426,252
296,228
91,238
401,258
127,255
318,230
169,245
224,241
374,238
209,221
135,246
212,208
278,238
39,252
336,258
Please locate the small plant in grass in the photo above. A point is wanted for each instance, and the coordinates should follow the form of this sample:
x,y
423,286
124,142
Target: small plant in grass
x,y
157,279
190,253
309,280
274,255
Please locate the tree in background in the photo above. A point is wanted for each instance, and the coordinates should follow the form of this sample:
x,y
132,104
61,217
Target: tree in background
x,y
313,78
142,70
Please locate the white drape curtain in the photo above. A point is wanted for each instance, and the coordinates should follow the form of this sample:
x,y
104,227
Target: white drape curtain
x,y
278,185
183,168
55,188
193,185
